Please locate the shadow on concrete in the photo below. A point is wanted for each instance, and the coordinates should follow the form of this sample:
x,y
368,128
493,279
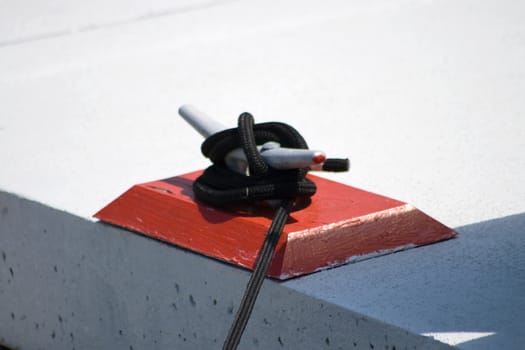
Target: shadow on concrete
x,y
489,282
474,283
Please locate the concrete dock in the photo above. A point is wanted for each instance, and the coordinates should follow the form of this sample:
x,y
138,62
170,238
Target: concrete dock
x,y
425,98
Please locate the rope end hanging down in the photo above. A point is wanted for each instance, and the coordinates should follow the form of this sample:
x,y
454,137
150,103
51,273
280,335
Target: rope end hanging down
x,y
256,163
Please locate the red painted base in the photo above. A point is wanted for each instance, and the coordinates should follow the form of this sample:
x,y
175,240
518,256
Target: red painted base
x,y
342,224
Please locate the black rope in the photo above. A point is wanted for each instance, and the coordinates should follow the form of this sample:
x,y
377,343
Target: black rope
x,y
219,185
256,279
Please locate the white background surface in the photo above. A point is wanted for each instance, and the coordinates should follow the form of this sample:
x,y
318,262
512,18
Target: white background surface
x,y
425,97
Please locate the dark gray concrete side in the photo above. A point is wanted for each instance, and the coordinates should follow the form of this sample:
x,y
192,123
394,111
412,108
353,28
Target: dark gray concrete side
x,y
69,283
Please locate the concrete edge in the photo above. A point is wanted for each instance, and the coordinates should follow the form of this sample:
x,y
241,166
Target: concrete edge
x,y
69,283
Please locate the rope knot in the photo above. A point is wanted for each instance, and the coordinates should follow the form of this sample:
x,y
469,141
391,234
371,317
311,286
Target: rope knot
x,y
253,180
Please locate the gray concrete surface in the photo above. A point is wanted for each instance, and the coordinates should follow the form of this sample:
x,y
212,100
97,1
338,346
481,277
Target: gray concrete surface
x,y
68,283
425,97
442,288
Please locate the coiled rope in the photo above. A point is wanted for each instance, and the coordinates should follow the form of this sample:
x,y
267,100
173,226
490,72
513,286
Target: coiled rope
x,y
219,185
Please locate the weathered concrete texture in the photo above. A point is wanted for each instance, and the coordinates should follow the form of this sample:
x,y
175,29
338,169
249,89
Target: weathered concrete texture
x,y
68,283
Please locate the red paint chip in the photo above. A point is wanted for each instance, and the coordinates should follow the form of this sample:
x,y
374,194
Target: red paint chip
x,y
341,224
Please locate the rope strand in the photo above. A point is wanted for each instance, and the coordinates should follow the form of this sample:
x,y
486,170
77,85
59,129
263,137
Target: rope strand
x,y
260,270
